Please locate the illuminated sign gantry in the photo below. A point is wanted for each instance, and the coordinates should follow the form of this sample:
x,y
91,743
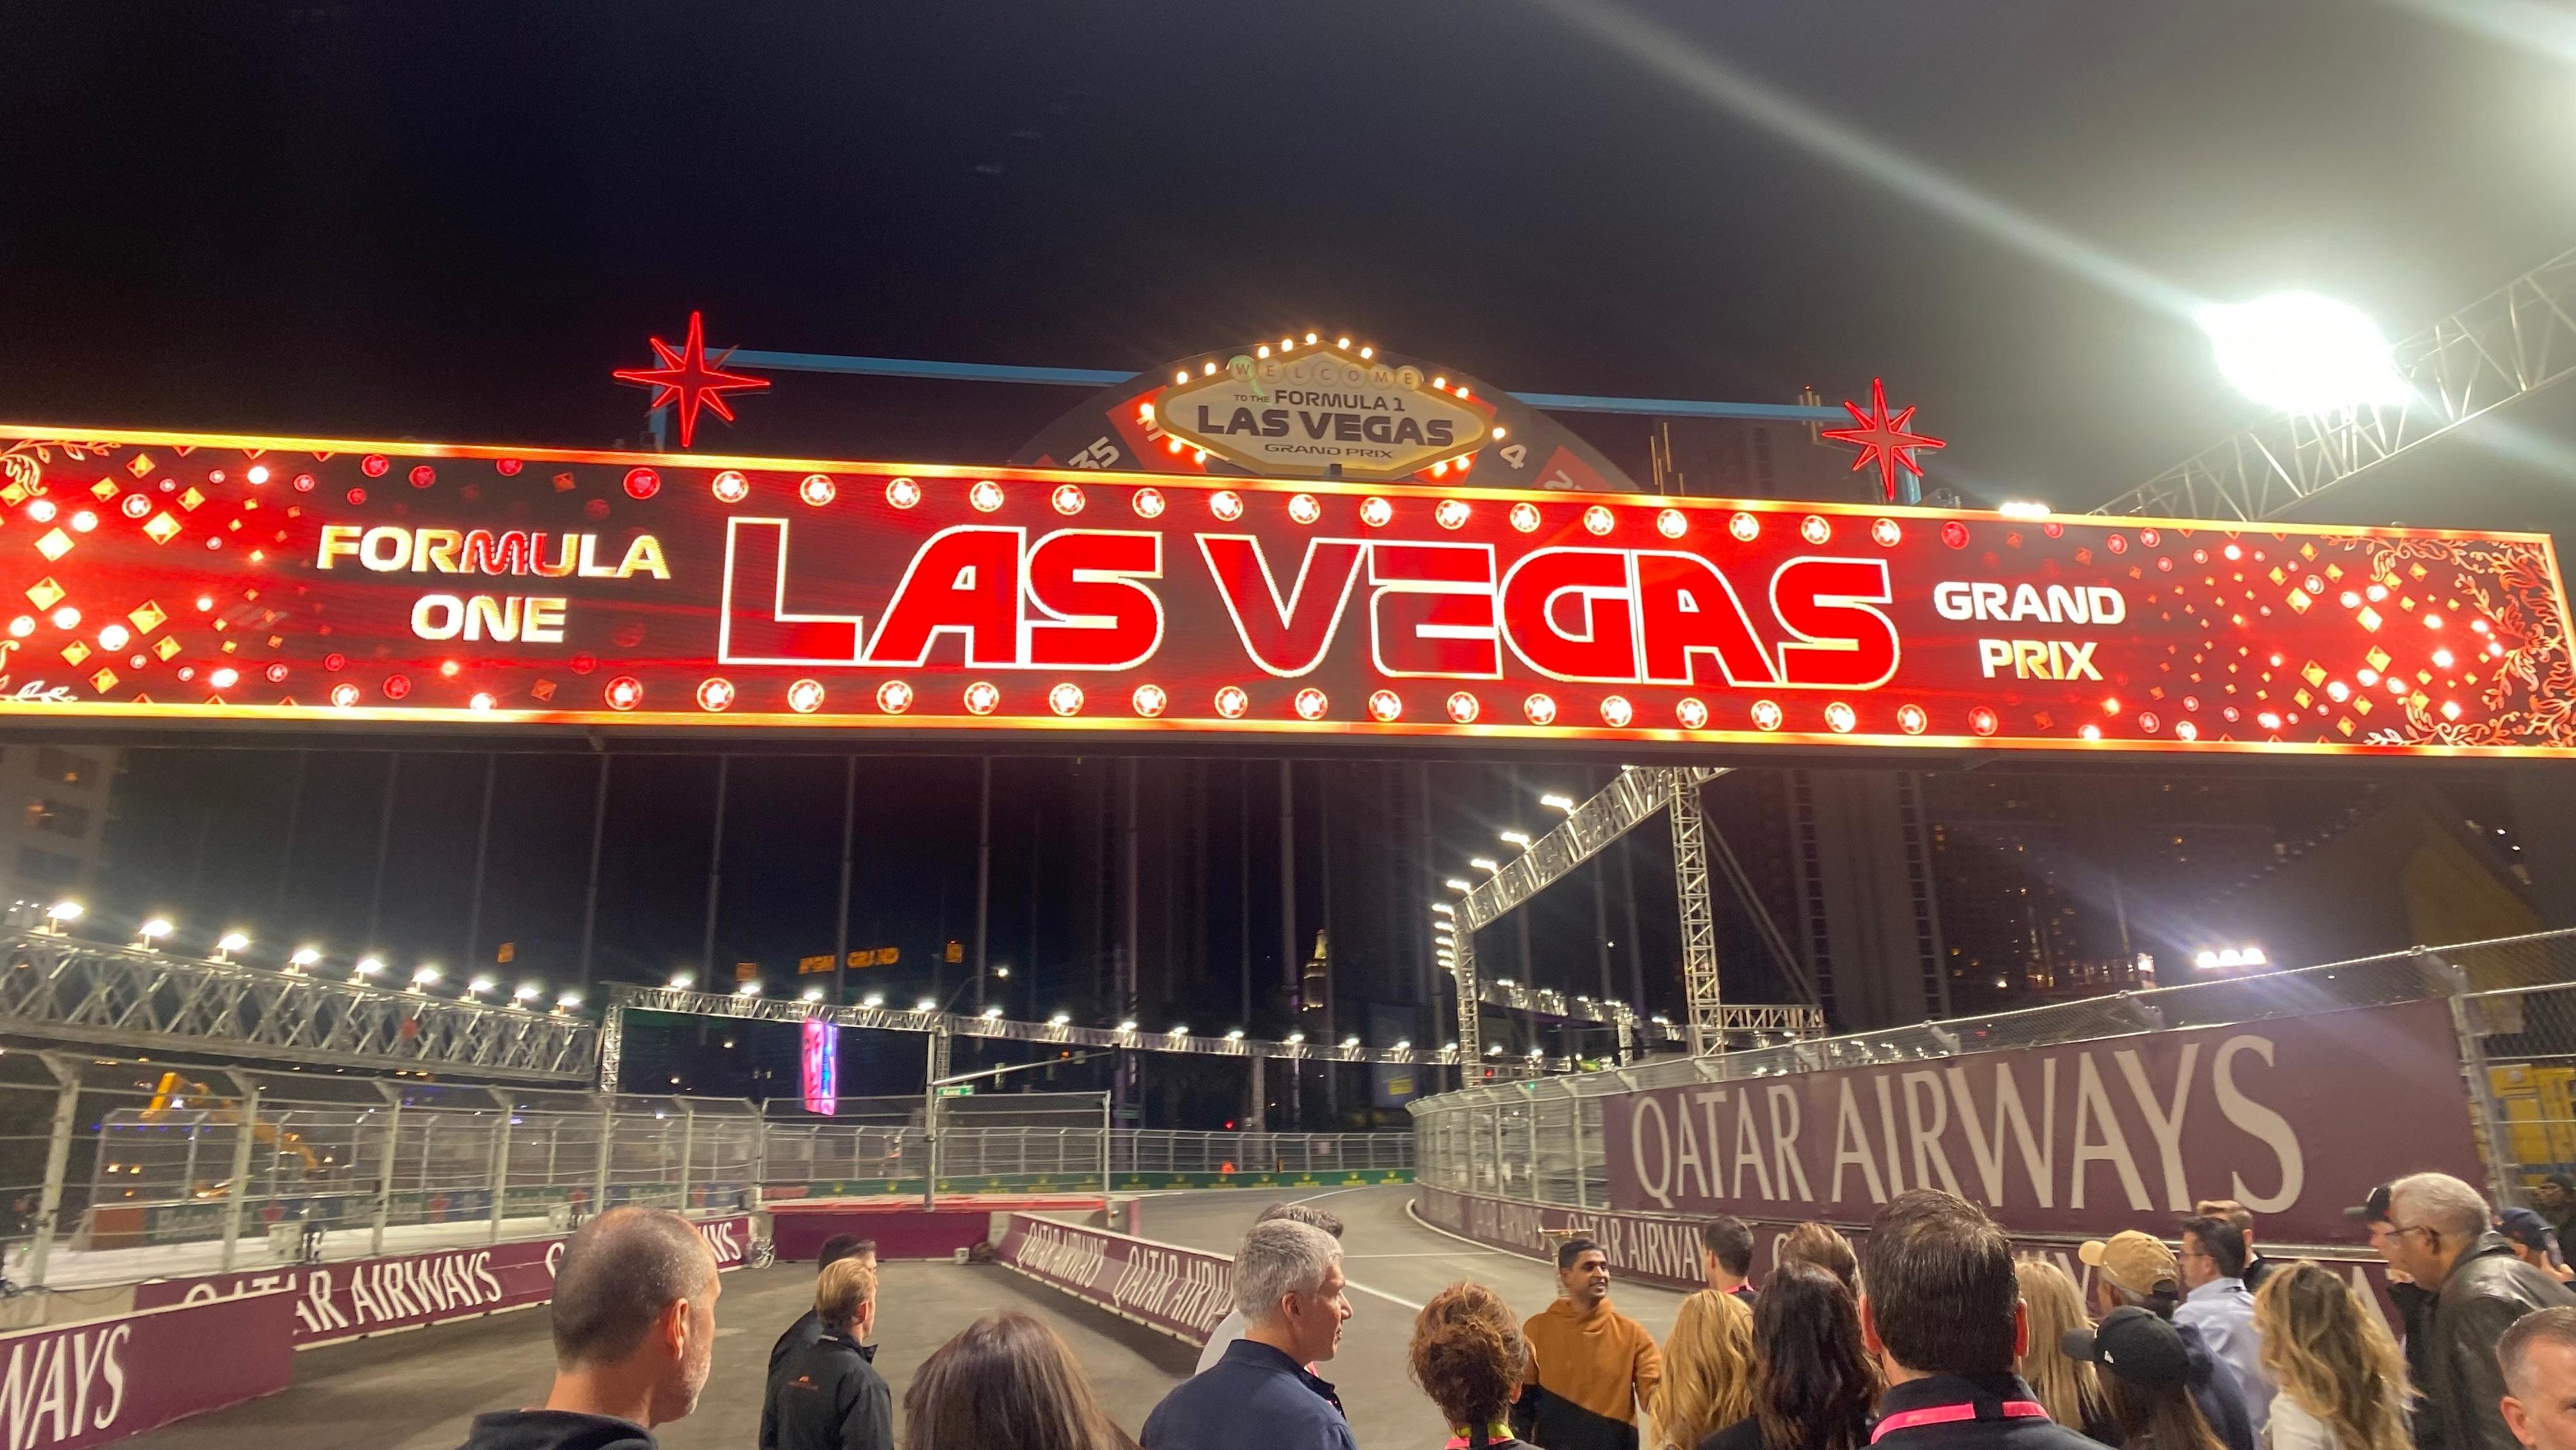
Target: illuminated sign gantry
x,y
196,579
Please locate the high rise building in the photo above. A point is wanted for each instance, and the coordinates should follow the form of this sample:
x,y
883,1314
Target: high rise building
x,y
53,809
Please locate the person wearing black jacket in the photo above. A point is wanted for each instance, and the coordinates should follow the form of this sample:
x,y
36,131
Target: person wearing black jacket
x,y
809,1326
634,1327
2439,1234
1941,1311
827,1395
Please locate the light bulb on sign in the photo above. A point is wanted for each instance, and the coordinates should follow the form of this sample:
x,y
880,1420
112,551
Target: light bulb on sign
x,y
818,489
1616,712
1231,702
1745,528
715,693
1065,699
1226,504
1841,717
1148,503
983,697
1886,534
344,696
1385,705
1150,700
1463,708
1599,521
1767,715
1310,703
1671,523
623,693
1067,499
1692,712
1377,513
903,493
986,495
805,696
1524,517
1912,719
1304,509
894,697
1814,529
1540,708
728,486
1451,514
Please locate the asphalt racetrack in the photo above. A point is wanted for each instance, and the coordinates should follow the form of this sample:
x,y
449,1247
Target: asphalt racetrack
x,y
417,1390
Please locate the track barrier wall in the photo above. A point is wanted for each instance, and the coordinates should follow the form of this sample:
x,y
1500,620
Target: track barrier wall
x,y
1182,1292
92,1383
2292,1092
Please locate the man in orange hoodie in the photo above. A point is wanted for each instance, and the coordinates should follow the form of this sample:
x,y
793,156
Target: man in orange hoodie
x,y
1590,1365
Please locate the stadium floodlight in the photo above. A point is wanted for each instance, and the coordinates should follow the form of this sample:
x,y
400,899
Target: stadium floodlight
x,y
567,1001
63,911
478,986
1485,863
1179,1032
229,943
2303,353
2226,957
810,994
1515,838
992,1014
151,932
366,967
1350,1041
682,981
305,957
873,1000
1061,1019
1454,884
2013,508
747,989
1295,1038
1404,1044
1493,1049
526,992
1442,908
1127,1024
1234,1034
1563,803
425,977
925,1005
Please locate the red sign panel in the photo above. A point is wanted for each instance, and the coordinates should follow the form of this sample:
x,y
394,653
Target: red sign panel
x,y
1183,1292
2080,1139
99,1382
344,1300
197,578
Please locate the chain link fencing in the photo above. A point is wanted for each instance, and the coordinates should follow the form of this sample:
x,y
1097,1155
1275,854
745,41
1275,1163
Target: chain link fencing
x,y
1540,1140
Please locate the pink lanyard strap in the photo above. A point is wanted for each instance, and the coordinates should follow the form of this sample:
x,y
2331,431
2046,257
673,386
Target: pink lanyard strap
x,y
1950,1414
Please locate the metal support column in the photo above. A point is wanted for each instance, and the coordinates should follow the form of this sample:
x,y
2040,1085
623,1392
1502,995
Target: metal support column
x,y
482,856
58,1158
607,1141
500,1161
384,1208
715,874
1471,1022
984,873
688,1151
1574,1133
244,1131
1698,920
841,922
590,894
930,1100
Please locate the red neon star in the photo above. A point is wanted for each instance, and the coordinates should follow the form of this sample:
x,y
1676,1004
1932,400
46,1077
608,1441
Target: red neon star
x,y
685,377
1882,439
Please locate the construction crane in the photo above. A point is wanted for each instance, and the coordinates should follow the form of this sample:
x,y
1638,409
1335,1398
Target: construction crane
x,y
2509,344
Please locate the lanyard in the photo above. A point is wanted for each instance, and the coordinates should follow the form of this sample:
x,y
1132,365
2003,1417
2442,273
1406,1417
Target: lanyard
x,y
1948,1414
1496,1436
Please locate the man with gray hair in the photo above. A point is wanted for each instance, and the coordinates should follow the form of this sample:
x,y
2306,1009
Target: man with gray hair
x,y
1288,1283
1231,1327
635,1326
2440,1235
2538,1355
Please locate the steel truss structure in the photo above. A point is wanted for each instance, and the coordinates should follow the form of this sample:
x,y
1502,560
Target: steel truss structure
x,y
2514,341
64,990
1623,805
944,1026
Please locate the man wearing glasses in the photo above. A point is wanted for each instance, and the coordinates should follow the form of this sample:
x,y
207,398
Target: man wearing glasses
x,y
2437,1232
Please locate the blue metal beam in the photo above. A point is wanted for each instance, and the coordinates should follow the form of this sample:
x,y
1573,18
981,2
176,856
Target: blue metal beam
x,y
903,367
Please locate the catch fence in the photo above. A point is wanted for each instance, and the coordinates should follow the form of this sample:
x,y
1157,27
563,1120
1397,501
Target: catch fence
x,y
1540,1141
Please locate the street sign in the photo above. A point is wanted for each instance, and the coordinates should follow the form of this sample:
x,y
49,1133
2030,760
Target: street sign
x,y
509,952
746,971
956,951
957,1090
875,957
808,966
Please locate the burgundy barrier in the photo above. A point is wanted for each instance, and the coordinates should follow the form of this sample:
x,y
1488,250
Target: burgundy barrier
x,y
340,1301
798,1233
1183,1292
2296,1118
90,1384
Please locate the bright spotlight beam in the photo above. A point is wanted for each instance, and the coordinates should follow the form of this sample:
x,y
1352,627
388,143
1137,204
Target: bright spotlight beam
x,y
1662,51
2298,352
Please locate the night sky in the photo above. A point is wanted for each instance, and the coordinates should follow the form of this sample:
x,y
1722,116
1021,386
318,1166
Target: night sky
x,y
452,222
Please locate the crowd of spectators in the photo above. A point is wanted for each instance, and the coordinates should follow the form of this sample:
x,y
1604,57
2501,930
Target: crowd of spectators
x,y
1933,1335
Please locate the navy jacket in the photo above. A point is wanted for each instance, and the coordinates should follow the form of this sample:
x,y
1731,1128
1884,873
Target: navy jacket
x,y
1255,1396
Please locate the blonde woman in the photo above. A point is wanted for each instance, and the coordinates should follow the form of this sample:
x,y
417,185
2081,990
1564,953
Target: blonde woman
x,y
2342,1378
2070,1388
1708,1369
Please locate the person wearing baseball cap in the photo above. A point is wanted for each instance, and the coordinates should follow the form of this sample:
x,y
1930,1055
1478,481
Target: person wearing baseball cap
x,y
2414,1305
2146,1372
2534,1242
2133,1270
